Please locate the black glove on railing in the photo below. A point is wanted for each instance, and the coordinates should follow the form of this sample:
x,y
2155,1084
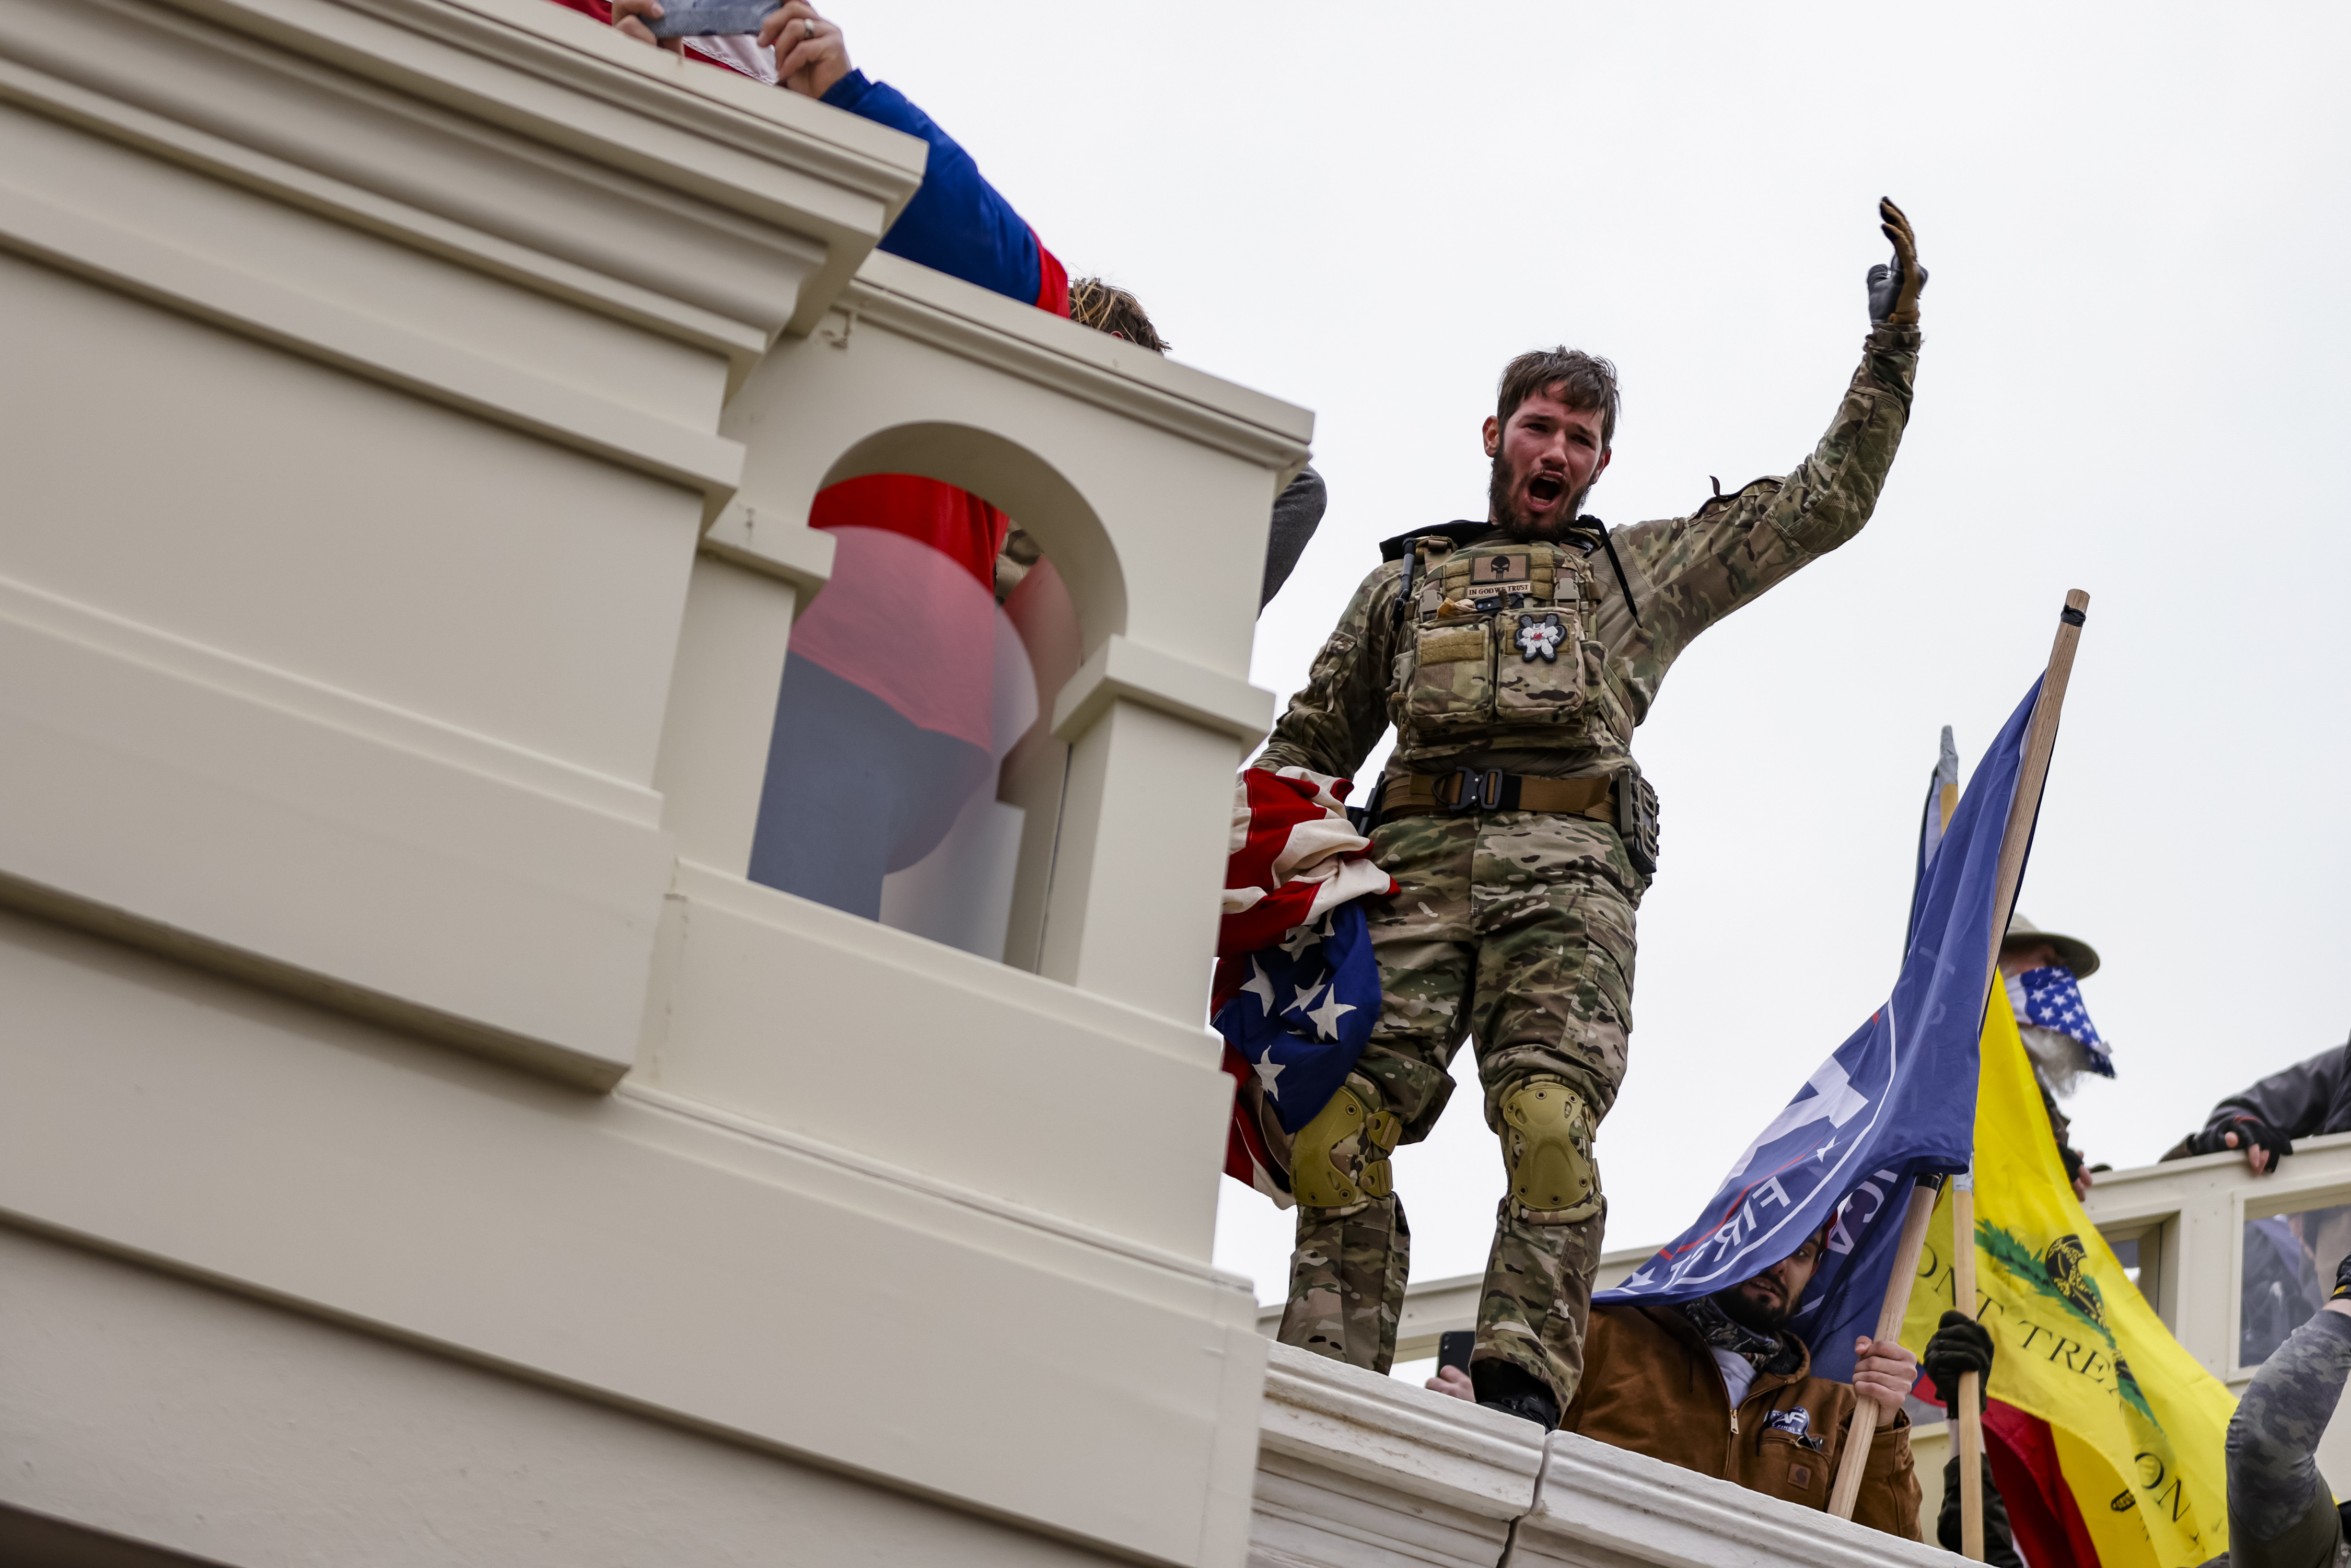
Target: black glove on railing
x,y
2249,1132
1961,1344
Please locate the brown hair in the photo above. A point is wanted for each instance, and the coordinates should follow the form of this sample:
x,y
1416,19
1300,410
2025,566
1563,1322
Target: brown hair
x,y
1586,383
1096,304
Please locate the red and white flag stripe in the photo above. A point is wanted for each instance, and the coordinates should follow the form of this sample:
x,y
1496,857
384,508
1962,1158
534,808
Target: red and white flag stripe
x,y
1294,857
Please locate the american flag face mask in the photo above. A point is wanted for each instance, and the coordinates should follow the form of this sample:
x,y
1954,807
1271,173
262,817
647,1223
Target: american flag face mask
x,y
2053,1000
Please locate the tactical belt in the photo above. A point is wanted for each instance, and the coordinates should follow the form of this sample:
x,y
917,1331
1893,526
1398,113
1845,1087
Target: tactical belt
x,y
1492,790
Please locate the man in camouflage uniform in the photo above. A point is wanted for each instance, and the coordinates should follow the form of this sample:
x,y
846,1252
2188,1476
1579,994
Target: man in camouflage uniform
x,y
1515,656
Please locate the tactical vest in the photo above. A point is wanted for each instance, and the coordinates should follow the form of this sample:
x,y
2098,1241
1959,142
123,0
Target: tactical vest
x,y
1496,643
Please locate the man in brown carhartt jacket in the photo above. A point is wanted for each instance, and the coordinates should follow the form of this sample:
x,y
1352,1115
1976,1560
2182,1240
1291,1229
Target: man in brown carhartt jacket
x,y
1659,1380
1718,1386
1651,1384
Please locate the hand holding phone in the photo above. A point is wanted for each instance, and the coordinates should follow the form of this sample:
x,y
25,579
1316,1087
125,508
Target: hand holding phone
x,y
1453,1348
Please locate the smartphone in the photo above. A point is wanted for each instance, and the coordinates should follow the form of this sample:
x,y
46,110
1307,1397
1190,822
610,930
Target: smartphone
x,y
700,19
1453,1347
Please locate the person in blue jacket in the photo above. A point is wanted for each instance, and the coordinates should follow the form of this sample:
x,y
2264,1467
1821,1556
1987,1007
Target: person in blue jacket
x,y
958,223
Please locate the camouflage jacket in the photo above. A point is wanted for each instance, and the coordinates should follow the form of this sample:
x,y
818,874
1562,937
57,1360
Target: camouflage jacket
x,y
1684,573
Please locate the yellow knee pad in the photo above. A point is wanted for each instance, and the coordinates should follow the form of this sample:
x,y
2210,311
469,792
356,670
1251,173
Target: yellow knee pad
x,y
1547,1130
1340,1159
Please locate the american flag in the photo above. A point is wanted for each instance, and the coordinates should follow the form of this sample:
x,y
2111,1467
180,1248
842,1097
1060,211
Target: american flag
x,y
2052,999
1296,990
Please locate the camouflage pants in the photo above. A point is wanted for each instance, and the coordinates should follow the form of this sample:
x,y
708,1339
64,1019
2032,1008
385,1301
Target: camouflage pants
x,y
1514,928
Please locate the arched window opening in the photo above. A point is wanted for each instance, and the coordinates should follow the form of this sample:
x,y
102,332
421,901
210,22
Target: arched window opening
x,y
912,779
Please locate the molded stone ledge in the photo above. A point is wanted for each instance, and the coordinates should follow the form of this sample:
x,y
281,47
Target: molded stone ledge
x,y
1122,668
639,1252
1358,1469
1602,1506
783,548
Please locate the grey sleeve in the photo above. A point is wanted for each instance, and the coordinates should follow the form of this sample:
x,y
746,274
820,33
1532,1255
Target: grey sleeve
x,y
2280,1512
1297,512
2295,1101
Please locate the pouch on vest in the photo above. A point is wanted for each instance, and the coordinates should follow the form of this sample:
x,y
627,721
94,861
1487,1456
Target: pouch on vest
x,y
1497,645
1636,819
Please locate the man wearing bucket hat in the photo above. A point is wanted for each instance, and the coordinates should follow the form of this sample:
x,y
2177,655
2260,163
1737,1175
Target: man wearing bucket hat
x,y
2044,971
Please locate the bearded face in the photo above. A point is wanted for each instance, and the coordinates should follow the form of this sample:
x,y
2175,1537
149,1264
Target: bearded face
x,y
1764,1302
1546,460
1531,506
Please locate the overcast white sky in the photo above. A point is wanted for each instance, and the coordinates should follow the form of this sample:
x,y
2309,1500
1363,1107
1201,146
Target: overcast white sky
x,y
2136,220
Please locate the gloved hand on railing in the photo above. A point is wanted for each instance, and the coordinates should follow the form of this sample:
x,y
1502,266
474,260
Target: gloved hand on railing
x,y
2264,1144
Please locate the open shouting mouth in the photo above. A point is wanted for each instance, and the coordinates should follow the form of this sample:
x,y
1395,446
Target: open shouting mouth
x,y
1546,489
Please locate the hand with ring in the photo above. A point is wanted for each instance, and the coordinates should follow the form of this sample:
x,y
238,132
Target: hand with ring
x,y
810,53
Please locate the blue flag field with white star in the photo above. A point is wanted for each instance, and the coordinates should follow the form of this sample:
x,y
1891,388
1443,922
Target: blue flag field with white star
x,y
1896,1102
1301,1017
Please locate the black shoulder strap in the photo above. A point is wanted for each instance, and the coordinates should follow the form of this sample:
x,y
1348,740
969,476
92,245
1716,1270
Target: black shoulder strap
x,y
1596,526
1460,533
1404,589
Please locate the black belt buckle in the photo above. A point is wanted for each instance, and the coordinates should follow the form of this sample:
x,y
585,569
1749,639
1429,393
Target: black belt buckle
x,y
1476,790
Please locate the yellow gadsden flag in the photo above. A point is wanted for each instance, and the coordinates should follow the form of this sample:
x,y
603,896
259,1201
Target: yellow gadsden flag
x,y
2137,1424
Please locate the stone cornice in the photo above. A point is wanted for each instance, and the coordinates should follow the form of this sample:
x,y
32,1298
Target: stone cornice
x,y
1132,383
514,120
498,59
1122,668
1600,1504
1358,1424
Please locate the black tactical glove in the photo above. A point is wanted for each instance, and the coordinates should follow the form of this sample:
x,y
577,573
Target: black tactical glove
x,y
2000,1538
1961,1344
1894,290
1511,1389
2342,1284
2251,1132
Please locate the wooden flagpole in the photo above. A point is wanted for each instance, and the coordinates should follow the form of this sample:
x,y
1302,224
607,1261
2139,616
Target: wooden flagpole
x,y
1969,1414
2040,741
1860,1431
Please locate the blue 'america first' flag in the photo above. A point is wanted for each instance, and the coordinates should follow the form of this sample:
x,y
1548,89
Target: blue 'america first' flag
x,y
1896,1102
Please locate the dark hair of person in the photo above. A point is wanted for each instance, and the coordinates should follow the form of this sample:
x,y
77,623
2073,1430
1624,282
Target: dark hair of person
x,y
1586,383
1096,304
